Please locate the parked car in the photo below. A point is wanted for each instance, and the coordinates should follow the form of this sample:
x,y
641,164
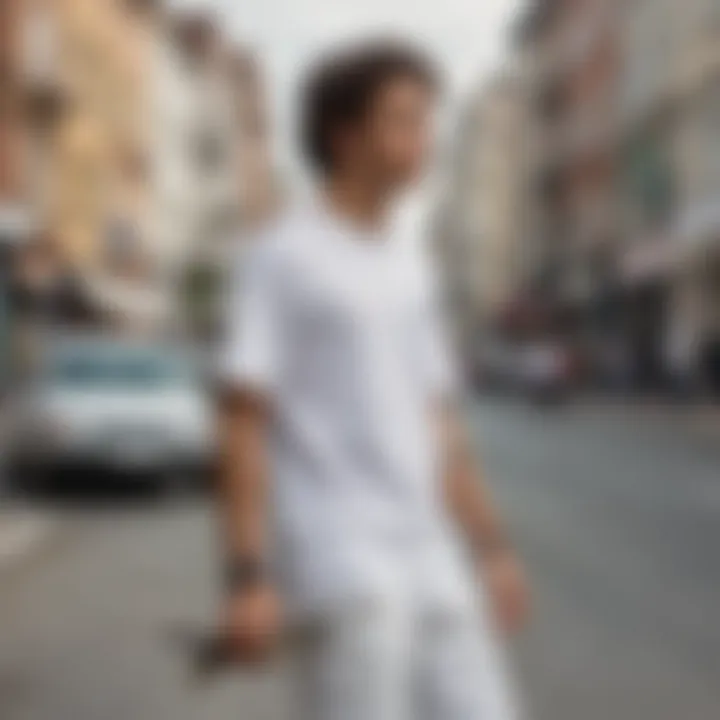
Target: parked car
x,y
540,370
136,409
547,370
498,366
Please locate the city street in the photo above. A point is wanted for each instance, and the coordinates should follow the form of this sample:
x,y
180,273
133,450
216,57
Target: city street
x,y
616,511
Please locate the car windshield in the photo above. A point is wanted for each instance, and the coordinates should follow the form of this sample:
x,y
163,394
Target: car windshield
x,y
116,367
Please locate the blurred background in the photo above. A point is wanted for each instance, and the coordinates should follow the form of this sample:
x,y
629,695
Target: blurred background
x,y
584,205
575,213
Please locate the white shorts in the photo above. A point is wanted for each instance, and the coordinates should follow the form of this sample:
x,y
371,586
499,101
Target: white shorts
x,y
383,660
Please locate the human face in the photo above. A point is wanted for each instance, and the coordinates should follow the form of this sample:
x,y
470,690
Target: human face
x,y
394,142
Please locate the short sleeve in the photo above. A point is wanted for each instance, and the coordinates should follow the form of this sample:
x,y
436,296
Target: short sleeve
x,y
250,351
439,367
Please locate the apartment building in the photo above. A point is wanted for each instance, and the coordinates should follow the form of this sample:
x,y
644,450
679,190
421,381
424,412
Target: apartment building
x,y
97,179
193,174
31,96
259,194
669,100
133,138
627,114
695,88
213,180
573,44
484,223
10,126
11,180
606,183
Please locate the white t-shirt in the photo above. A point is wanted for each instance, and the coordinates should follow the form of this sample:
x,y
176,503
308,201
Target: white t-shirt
x,y
341,329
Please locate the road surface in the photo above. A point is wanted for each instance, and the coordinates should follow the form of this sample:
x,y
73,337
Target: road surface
x,y
617,514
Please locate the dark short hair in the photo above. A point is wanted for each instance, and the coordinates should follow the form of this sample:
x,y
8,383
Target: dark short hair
x,y
341,89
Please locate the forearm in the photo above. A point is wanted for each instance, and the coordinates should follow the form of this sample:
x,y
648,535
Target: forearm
x,y
243,476
467,494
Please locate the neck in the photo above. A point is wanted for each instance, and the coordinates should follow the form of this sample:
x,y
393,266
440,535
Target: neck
x,y
361,202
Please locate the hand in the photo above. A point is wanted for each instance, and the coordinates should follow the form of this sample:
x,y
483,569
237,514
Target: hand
x,y
252,623
507,589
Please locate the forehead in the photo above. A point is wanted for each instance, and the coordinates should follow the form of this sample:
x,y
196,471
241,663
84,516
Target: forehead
x,y
404,85
404,91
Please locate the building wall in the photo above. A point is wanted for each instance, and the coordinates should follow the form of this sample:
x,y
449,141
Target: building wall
x,y
99,145
14,166
576,56
9,170
696,86
195,148
488,214
131,135
668,116
259,193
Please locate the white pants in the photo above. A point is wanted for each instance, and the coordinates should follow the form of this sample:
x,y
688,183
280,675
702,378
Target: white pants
x,y
383,660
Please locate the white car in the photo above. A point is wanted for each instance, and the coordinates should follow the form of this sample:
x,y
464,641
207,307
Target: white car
x,y
133,408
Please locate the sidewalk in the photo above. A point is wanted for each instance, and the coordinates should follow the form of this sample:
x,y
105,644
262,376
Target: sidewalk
x,y
23,532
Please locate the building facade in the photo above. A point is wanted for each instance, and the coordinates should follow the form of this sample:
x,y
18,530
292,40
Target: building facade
x,y
213,173
133,138
485,223
259,191
669,107
98,199
194,184
573,44
627,116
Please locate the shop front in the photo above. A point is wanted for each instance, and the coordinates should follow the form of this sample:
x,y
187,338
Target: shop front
x,y
646,293
699,235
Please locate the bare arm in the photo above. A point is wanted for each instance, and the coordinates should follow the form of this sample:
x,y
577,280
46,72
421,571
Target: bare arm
x,y
469,502
251,621
466,492
243,473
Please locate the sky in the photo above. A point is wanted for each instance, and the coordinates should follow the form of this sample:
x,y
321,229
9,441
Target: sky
x,y
467,37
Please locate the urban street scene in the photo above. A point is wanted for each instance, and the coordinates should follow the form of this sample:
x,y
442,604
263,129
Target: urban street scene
x,y
572,211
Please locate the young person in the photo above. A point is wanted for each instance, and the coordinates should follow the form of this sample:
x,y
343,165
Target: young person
x,y
347,480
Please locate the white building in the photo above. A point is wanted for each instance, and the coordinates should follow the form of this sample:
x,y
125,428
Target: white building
x,y
487,212
196,183
670,106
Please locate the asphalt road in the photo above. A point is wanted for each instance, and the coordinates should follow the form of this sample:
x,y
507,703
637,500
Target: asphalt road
x,y
617,515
